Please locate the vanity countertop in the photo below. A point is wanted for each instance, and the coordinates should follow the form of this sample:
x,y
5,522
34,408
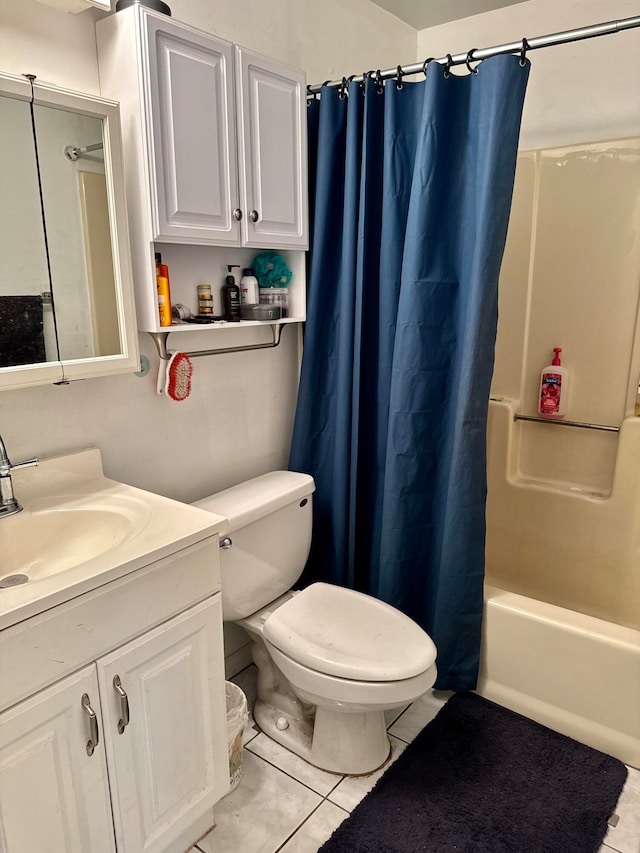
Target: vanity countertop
x,y
79,530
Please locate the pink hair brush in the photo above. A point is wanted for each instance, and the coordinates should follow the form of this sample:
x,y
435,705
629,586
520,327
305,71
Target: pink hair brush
x,y
174,380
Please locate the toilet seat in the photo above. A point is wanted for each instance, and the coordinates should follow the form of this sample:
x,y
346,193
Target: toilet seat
x,y
344,633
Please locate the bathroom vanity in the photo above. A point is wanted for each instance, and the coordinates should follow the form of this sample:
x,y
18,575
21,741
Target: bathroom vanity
x,y
112,705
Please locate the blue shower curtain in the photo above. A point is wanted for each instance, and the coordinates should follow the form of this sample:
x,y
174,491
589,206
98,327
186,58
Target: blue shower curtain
x,y
411,189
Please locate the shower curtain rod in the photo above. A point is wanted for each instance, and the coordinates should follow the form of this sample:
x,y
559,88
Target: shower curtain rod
x,y
476,54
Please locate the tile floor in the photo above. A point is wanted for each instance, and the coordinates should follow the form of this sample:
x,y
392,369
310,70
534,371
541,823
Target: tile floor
x,y
283,805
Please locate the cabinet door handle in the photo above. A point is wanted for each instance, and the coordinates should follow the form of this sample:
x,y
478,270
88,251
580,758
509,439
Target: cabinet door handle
x,y
226,543
123,722
254,216
94,736
237,214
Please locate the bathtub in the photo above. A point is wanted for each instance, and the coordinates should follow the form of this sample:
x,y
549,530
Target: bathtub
x,y
573,673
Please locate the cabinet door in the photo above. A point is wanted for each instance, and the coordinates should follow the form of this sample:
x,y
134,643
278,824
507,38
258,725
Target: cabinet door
x,y
273,152
53,795
169,764
191,113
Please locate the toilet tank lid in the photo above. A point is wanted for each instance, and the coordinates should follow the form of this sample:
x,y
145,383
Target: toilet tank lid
x,y
348,634
254,499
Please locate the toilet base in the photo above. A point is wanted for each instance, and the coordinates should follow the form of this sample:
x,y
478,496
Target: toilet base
x,y
350,744
329,736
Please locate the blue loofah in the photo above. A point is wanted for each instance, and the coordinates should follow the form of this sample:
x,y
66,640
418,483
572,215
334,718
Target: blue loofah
x,y
271,270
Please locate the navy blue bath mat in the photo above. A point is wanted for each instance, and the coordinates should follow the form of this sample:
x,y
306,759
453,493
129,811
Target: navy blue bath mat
x,y
481,779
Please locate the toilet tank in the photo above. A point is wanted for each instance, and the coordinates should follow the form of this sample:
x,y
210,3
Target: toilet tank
x,y
269,534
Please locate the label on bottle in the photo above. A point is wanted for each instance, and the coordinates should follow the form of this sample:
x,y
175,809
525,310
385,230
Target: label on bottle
x,y
550,391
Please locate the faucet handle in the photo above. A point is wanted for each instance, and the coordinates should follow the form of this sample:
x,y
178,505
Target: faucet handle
x,y
28,463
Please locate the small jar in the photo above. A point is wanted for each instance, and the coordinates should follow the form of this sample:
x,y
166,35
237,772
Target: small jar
x,y
205,299
276,296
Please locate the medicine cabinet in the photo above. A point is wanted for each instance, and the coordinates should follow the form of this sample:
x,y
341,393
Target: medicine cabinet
x,y
215,141
66,294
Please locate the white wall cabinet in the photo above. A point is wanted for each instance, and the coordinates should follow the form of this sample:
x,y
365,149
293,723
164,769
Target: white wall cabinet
x,y
214,139
272,139
190,132
153,708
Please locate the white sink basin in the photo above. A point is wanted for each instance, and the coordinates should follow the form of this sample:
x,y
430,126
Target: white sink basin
x,y
34,545
79,530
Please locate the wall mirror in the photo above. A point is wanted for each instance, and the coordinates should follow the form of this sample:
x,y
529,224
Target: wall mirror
x,y
66,296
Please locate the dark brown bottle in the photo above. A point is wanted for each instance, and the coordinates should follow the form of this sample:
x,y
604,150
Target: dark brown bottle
x,y
231,296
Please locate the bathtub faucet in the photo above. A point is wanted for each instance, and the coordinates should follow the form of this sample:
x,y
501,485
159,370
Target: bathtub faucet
x,y
8,503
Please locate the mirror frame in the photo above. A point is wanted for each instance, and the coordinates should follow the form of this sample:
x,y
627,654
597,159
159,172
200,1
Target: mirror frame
x,y
128,361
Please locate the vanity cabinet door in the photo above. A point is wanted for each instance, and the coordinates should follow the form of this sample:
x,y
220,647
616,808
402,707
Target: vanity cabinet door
x,y
165,729
272,152
194,187
53,794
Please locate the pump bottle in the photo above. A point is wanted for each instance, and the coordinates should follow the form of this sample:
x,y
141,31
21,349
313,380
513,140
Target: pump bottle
x,y
231,296
554,388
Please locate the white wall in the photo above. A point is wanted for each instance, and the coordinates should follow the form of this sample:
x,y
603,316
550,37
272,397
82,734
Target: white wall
x,y
237,421
580,92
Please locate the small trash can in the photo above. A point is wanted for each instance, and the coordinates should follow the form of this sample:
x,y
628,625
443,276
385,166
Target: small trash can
x,y
236,718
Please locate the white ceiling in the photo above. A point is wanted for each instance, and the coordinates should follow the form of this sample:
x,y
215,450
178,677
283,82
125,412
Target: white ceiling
x,y
421,14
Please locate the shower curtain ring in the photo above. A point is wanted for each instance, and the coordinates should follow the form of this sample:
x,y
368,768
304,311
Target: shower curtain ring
x,y
350,79
399,76
447,69
469,60
313,96
342,89
426,63
379,82
523,52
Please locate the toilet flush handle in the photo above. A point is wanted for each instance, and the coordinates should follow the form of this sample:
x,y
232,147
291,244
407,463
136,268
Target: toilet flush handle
x,y
226,542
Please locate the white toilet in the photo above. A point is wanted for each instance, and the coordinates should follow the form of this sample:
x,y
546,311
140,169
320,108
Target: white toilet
x,y
330,660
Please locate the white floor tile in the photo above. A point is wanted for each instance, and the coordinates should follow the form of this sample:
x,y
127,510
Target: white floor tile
x,y
316,829
353,788
625,837
246,681
319,780
261,814
417,715
392,714
271,812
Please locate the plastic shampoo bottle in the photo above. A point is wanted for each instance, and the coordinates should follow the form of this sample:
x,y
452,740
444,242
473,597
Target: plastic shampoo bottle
x,y
554,388
248,288
164,291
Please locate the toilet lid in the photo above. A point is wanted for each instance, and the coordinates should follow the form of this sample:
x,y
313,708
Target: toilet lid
x,y
341,632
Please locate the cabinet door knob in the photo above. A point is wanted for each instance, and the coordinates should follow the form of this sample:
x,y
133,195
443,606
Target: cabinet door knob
x,y
226,543
123,722
94,736
254,216
237,214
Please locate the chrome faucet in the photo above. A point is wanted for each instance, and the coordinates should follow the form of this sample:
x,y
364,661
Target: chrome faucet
x,y
8,503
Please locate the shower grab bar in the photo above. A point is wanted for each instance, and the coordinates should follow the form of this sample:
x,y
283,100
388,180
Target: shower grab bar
x,y
580,424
